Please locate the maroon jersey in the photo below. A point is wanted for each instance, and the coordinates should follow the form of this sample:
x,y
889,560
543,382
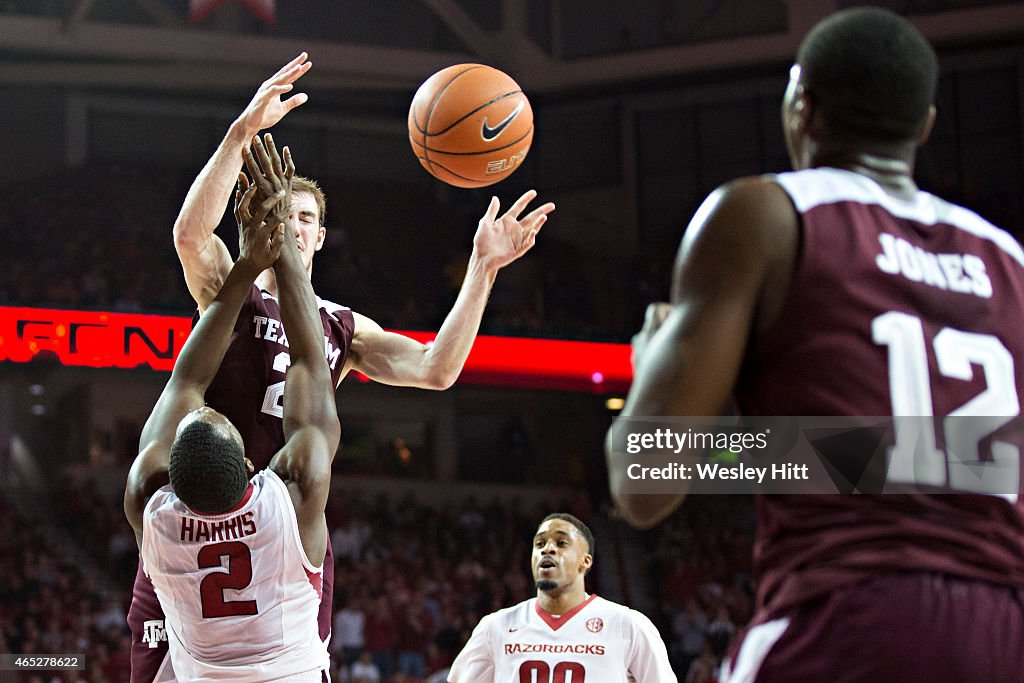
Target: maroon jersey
x,y
249,386
895,308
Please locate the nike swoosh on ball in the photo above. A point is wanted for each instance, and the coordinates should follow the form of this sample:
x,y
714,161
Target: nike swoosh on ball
x,y
489,133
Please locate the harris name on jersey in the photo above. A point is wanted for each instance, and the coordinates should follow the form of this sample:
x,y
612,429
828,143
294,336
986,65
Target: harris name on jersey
x,y
200,531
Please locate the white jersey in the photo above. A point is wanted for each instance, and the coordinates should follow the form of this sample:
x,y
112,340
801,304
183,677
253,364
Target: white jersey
x,y
240,597
596,642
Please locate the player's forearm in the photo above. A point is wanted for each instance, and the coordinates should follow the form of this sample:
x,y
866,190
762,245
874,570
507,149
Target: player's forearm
x,y
204,350
204,204
445,359
299,311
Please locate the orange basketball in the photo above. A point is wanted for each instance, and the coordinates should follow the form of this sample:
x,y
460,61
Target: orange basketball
x,y
470,125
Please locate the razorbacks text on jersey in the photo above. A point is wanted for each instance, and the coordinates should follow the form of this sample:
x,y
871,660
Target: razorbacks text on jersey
x,y
906,308
239,595
598,641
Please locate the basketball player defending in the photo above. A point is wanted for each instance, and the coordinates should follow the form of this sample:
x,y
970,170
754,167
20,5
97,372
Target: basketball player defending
x,y
248,387
855,293
563,634
238,565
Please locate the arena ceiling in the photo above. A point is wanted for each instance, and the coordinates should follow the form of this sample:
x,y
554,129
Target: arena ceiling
x,y
550,45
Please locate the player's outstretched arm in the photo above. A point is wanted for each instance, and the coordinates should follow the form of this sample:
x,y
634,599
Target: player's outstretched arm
x,y
476,660
311,427
204,257
394,359
200,358
688,355
647,656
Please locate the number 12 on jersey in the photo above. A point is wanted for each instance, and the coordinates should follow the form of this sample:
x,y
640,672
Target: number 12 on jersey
x,y
915,457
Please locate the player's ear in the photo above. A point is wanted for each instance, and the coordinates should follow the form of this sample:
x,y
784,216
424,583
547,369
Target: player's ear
x,y
804,111
586,562
321,235
926,129
249,466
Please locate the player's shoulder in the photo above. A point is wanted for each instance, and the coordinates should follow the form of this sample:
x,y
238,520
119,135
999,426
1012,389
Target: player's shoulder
x,y
749,219
973,224
613,611
162,497
516,613
611,607
332,308
760,196
500,620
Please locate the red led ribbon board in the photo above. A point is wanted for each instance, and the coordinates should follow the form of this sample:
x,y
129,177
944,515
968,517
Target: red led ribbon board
x,y
131,340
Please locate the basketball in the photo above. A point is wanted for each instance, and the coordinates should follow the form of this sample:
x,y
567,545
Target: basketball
x,y
470,125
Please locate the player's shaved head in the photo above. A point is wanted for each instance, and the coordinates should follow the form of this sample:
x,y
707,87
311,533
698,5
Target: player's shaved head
x,y
207,467
873,74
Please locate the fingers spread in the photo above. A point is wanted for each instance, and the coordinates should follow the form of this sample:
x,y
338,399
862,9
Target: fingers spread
x,y
242,208
295,101
261,154
297,62
540,212
275,158
289,164
492,210
521,203
250,163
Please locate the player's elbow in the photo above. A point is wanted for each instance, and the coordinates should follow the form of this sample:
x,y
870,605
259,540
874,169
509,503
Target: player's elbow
x,y
187,240
440,380
134,501
184,243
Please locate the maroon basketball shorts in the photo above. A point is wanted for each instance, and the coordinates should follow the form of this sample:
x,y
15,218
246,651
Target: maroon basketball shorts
x,y
904,627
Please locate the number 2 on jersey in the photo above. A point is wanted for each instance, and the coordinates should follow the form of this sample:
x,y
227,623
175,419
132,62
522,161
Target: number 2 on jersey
x,y
537,671
915,457
237,577
275,392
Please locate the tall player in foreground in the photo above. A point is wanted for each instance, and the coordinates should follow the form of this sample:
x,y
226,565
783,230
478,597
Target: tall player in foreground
x,y
563,634
238,565
859,295
248,387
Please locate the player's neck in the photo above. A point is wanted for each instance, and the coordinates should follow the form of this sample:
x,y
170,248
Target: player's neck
x,y
560,602
891,167
268,281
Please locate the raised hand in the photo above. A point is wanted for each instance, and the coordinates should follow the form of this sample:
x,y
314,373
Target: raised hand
x,y
267,107
501,240
270,174
259,239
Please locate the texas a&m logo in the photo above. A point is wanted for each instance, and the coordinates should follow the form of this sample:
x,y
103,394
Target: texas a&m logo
x,y
153,632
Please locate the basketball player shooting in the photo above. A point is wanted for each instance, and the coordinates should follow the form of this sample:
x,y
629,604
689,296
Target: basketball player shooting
x,y
237,565
248,388
563,633
826,275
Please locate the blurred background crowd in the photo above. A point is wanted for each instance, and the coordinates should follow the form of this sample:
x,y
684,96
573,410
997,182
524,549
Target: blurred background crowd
x,y
411,580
